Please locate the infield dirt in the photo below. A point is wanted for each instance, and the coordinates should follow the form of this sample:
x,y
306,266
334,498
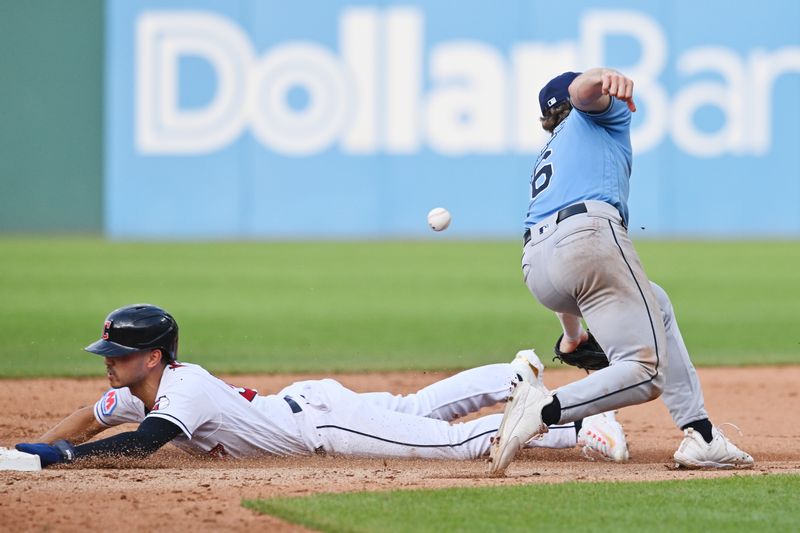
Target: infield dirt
x,y
181,493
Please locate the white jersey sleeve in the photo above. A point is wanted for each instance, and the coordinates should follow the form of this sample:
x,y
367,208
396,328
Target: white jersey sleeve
x,y
182,399
118,406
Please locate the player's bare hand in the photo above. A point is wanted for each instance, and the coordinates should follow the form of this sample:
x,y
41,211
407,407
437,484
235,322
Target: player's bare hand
x,y
619,86
569,346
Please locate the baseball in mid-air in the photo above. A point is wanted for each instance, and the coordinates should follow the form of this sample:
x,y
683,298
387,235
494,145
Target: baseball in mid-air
x,y
439,218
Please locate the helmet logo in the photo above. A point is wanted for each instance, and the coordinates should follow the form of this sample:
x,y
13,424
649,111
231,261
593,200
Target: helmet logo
x,y
106,327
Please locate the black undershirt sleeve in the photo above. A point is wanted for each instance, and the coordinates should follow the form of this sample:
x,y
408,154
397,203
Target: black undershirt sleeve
x,y
151,435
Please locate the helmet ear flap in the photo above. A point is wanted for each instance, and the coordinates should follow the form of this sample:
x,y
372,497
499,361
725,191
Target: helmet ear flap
x,y
171,352
171,344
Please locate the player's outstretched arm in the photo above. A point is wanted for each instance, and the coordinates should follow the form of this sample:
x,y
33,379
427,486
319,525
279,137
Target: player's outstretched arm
x,y
77,428
151,435
592,90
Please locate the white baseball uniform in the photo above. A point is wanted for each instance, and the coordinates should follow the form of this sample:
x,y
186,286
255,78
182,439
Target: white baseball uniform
x,y
322,416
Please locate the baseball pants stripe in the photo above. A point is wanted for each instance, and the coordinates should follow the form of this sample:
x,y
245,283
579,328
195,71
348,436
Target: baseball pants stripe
x,y
654,375
586,266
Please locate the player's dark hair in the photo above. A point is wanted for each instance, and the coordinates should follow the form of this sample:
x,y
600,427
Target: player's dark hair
x,y
165,360
555,115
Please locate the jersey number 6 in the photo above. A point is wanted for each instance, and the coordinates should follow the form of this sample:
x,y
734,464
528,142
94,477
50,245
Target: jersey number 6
x,y
545,171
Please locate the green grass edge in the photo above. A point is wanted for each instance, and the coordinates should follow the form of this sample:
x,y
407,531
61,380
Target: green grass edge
x,y
733,503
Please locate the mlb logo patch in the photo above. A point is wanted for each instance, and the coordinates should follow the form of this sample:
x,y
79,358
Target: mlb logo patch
x,y
109,403
551,102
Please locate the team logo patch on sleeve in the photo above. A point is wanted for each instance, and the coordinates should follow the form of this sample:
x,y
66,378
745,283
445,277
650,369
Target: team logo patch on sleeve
x,y
109,403
161,403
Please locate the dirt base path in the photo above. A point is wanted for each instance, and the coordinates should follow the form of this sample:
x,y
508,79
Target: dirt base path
x,y
171,490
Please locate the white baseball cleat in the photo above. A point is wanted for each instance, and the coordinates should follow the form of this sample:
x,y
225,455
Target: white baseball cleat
x,y
601,436
695,452
528,366
522,420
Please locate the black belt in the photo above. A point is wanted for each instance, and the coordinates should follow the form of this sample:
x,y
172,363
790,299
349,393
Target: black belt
x,y
293,404
574,209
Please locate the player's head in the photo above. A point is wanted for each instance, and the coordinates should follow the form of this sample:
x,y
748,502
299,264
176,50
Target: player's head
x,y
138,328
554,100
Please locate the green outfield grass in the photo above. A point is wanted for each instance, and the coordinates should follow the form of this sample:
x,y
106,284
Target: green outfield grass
x,y
276,307
751,503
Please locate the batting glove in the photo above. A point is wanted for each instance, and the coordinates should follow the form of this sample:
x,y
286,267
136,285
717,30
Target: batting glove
x,y
61,451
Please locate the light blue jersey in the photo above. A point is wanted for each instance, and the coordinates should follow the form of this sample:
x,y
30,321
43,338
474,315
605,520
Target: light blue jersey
x,y
587,158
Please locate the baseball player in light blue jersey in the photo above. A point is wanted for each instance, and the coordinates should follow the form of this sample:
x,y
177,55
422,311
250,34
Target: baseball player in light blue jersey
x,y
579,262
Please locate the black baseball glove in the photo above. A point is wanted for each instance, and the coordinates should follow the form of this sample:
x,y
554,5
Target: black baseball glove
x,y
588,355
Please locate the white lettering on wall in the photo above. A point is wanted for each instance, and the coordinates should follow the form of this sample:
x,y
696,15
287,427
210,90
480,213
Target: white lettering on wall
x,y
370,96
402,80
298,131
358,42
729,96
164,36
466,108
764,69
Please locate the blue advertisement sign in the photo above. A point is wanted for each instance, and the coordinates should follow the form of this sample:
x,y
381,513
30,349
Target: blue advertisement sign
x,y
314,120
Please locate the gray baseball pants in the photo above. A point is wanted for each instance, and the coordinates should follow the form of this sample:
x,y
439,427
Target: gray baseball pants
x,y
682,393
587,266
